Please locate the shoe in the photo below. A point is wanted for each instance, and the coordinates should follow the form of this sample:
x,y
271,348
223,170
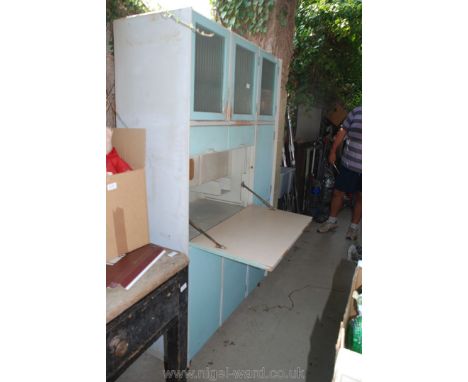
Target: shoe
x,y
326,227
354,253
351,234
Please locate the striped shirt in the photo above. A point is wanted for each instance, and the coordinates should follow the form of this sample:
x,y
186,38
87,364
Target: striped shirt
x,y
352,153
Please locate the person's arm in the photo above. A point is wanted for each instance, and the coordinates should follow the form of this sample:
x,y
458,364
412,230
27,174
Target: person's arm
x,y
339,137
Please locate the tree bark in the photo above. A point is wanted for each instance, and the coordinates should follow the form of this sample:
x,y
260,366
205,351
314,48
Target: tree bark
x,y
278,40
110,81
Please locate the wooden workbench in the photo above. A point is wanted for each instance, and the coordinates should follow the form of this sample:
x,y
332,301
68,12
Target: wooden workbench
x,y
155,305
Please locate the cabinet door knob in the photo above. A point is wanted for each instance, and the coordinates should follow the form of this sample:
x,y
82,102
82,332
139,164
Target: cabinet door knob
x,y
118,346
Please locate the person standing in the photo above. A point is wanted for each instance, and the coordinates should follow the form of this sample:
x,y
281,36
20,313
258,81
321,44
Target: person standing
x,y
349,179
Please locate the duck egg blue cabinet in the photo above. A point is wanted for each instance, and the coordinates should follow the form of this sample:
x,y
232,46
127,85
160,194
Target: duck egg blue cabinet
x,y
208,99
263,157
204,297
234,286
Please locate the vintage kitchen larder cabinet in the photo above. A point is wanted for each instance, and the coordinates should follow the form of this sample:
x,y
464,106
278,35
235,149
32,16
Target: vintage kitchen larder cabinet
x,y
208,100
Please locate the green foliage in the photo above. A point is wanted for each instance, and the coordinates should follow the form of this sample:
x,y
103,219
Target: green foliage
x,y
121,8
326,65
243,16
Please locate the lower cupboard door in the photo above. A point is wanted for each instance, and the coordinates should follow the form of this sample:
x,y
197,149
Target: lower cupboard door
x,y
204,298
234,286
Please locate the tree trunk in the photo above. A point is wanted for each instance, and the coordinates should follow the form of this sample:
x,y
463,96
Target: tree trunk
x,y
278,40
110,81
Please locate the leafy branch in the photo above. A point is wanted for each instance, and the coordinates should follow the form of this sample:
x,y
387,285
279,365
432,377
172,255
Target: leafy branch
x,y
326,65
243,16
120,8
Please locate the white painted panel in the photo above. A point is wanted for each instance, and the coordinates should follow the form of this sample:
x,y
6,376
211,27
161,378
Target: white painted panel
x,y
256,236
240,169
153,92
214,166
214,187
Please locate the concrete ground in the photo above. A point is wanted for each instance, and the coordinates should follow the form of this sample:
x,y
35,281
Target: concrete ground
x,y
287,328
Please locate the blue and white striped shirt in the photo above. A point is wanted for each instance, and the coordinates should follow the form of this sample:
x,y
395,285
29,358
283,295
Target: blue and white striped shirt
x,y
352,153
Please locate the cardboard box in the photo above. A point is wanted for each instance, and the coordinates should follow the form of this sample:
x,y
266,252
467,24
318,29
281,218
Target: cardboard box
x,y
126,206
348,364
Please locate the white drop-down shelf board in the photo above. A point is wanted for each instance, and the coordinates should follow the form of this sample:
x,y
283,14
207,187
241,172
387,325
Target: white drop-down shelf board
x,y
255,236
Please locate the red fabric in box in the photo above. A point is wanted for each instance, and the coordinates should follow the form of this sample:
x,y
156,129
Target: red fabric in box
x,y
115,164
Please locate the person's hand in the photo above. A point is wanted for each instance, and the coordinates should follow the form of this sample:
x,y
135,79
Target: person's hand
x,y
332,157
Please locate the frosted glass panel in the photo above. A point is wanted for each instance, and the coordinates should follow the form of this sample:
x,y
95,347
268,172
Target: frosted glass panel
x,y
268,84
243,88
209,72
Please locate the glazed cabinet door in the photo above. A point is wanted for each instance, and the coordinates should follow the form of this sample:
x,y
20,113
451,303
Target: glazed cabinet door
x,y
244,81
269,70
209,69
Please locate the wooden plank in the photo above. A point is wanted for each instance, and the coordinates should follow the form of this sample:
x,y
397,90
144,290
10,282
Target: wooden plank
x,y
192,169
118,299
256,236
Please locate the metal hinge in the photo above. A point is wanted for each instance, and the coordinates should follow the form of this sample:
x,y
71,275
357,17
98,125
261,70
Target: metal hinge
x,y
218,245
265,202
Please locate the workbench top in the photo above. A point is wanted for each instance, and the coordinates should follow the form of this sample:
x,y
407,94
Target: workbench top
x,y
118,299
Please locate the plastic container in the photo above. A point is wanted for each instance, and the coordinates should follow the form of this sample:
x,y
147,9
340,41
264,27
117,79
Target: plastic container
x,y
353,340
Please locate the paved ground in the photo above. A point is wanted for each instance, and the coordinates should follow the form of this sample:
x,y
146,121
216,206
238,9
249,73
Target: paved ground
x,y
287,327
